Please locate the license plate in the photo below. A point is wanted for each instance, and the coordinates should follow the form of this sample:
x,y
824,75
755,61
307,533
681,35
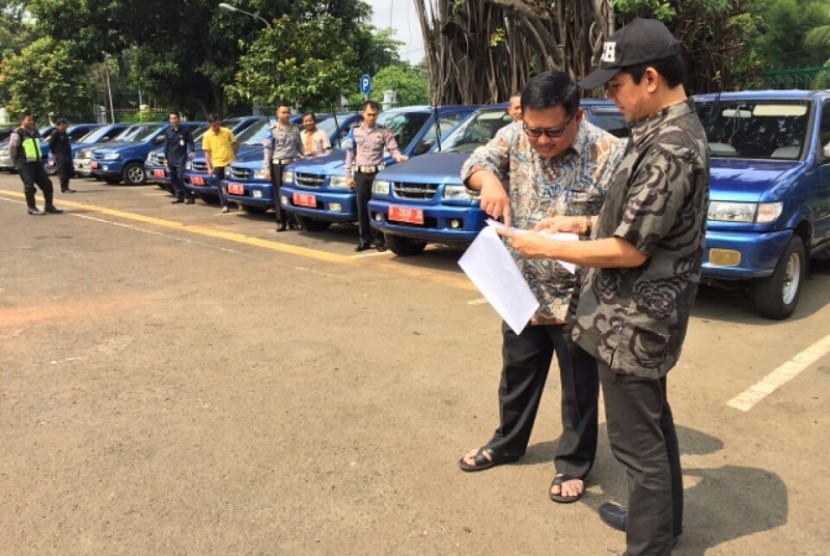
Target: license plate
x,y
158,173
93,165
236,189
305,200
407,215
197,180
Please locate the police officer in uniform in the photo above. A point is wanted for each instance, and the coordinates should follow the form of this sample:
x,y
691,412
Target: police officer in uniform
x,y
60,144
178,147
364,159
24,150
282,147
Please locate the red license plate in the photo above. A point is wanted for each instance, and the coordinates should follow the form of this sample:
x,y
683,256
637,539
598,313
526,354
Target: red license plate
x,y
93,165
197,180
408,215
158,173
305,200
236,189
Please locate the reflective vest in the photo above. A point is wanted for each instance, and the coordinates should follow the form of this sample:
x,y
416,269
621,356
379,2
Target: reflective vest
x,y
31,149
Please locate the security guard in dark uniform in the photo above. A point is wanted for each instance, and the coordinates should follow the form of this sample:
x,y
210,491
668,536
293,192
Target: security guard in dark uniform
x,y
178,147
60,144
25,152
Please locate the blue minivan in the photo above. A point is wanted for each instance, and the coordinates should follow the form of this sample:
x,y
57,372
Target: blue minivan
x,y
315,190
423,200
769,208
82,150
246,182
124,160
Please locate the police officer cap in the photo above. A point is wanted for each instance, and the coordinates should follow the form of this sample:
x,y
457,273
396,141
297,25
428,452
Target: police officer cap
x,y
639,42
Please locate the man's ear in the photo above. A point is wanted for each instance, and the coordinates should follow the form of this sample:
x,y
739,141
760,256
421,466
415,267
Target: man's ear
x,y
652,78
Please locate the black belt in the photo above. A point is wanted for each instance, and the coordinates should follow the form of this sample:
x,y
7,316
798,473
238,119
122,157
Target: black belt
x,y
369,169
282,161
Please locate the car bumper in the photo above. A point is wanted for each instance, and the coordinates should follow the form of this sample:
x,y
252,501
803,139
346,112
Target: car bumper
x,y
106,168
331,206
255,193
738,256
204,183
441,223
82,167
6,162
157,174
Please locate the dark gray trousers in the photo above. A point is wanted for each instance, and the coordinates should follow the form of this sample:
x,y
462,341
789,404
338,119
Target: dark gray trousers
x,y
643,438
526,361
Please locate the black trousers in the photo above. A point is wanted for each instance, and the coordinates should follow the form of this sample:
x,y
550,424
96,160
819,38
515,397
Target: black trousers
x,y
363,192
31,174
176,175
276,183
65,171
526,361
642,436
218,176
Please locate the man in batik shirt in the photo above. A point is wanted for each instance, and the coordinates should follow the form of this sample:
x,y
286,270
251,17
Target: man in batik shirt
x,y
645,261
555,162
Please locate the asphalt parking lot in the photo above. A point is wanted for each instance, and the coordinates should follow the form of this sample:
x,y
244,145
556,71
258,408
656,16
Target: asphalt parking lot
x,y
173,381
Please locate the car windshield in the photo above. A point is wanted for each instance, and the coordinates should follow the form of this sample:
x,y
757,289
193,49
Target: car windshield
x,y
199,132
476,131
764,129
95,135
255,134
404,126
139,133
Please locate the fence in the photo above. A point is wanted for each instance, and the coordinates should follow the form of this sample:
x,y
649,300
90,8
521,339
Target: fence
x,y
816,77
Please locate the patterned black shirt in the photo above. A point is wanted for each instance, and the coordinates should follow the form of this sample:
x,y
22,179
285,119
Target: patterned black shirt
x,y
635,320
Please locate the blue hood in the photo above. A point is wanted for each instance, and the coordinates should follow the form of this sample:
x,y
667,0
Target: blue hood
x,y
324,165
748,180
429,168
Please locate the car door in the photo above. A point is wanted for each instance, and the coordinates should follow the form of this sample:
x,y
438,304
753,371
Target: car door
x,y
821,198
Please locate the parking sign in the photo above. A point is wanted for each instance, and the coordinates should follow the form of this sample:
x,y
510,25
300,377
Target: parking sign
x,y
366,84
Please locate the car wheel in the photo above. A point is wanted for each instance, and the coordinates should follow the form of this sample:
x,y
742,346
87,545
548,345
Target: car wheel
x,y
777,295
311,224
251,209
134,174
404,246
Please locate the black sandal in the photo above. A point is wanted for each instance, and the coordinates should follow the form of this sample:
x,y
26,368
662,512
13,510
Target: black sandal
x,y
482,463
560,498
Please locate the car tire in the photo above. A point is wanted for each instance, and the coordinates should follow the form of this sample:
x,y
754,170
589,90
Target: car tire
x,y
311,224
134,174
776,296
251,209
404,246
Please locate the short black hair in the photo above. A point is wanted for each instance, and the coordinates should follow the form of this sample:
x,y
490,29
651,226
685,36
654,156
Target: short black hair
x,y
549,89
671,69
213,118
26,114
371,104
61,121
313,116
174,113
282,103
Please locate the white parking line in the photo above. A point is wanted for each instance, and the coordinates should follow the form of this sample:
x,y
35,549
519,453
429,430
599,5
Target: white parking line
x,y
780,376
479,301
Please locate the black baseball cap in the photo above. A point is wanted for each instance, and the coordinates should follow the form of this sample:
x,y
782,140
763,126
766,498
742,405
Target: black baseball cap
x,y
639,42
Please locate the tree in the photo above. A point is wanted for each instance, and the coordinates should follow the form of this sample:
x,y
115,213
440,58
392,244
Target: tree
x,y
409,83
47,79
307,62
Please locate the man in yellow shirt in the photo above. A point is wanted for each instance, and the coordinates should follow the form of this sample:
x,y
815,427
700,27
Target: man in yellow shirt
x,y
220,148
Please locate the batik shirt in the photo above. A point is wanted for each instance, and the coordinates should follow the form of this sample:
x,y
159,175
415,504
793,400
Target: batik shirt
x,y
635,320
572,184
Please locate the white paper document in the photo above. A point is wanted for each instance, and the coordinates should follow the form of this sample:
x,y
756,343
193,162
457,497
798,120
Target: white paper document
x,y
490,267
570,267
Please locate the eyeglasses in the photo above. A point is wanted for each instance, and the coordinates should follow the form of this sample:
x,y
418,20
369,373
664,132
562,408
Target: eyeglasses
x,y
549,132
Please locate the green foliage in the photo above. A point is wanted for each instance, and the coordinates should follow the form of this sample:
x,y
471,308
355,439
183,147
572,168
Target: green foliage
x,y
46,78
784,25
409,83
657,9
307,62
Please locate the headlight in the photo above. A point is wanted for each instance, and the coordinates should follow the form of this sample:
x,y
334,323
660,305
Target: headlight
x,y
259,174
85,154
380,187
458,193
288,177
188,165
727,211
111,156
339,182
149,159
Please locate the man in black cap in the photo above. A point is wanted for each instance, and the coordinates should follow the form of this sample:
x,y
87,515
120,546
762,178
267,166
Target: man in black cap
x,y
644,264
